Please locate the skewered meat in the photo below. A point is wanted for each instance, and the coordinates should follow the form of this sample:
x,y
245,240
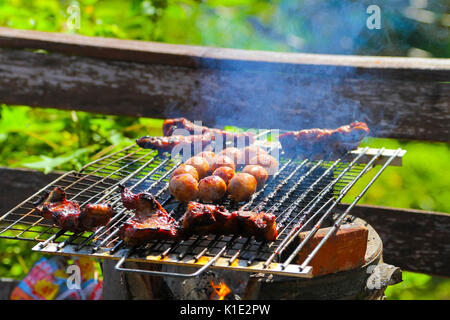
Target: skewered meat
x,y
266,161
206,219
249,152
261,225
234,153
185,168
242,186
211,219
211,189
222,161
226,173
150,221
183,187
314,143
69,216
238,139
200,164
166,144
258,172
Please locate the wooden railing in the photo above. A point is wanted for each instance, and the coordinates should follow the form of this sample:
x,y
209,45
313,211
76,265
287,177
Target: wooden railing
x,y
403,98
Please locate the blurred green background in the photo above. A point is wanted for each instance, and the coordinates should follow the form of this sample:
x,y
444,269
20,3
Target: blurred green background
x,y
48,139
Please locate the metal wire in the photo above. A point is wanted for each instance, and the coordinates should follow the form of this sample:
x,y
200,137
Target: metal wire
x,y
301,193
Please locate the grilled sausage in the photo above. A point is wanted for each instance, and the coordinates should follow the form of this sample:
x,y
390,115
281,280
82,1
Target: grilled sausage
x,y
258,172
166,144
185,168
183,187
170,125
266,161
211,189
233,153
226,173
209,156
242,186
223,161
249,152
200,164
323,143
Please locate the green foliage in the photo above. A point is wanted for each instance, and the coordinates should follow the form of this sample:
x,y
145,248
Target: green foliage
x,y
420,183
417,286
47,139
50,140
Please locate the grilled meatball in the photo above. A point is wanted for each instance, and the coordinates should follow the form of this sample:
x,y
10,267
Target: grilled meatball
x,y
184,187
266,161
222,161
185,168
200,164
258,172
233,153
211,189
209,156
242,186
249,152
226,173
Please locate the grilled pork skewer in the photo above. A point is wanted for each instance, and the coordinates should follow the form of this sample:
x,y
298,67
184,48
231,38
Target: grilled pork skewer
x,y
69,216
166,144
150,221
211,219
318,143
170,125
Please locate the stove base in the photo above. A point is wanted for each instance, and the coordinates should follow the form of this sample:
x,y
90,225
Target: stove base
x,y
368,281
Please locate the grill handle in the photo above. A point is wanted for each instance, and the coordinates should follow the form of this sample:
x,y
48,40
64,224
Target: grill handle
x,y
119,267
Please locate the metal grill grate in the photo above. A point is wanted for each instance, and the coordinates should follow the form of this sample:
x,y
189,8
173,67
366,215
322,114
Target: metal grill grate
x,y
302,194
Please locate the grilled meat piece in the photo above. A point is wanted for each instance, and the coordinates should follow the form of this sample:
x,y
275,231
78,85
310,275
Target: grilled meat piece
x,y
208,219
95,215
166,144
69,216
319,143
241,139
211,219
150,221
260,225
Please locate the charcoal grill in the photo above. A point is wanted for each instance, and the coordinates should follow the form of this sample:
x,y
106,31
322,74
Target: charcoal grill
x,y
302,194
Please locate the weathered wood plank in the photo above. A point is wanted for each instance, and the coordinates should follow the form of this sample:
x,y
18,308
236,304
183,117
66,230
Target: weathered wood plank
x,y
414,240
398,97
223,58
19,184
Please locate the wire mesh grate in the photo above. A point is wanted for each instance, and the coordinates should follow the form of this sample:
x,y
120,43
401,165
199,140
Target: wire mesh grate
x,y
301,193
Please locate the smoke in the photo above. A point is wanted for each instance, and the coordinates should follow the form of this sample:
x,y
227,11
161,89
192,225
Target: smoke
x,y
295,96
